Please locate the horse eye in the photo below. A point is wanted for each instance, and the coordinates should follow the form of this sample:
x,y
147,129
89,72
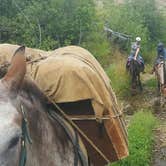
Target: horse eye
x,y
14,141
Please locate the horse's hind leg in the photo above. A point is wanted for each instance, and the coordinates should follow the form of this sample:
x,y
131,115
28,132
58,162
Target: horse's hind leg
x,y
139,83
158,88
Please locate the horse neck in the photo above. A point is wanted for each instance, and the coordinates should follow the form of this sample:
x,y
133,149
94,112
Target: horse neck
x,y
50,143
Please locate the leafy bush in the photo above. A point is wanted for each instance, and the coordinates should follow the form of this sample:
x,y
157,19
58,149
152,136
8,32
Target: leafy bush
x,y
98,45
36,23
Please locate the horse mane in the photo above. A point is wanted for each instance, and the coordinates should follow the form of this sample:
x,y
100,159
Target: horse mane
x,y
40,102
30,88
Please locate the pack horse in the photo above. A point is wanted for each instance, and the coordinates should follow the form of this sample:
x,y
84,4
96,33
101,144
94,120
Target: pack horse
x,y
74,120
28,135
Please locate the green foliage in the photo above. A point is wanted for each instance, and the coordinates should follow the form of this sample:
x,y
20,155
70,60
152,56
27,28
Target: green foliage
x,y
119,78
96,41
54,23
98,45
140,135
151,83
137,18
36,23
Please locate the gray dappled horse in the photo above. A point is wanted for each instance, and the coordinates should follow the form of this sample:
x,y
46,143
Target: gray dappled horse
x,y
135,69
29,136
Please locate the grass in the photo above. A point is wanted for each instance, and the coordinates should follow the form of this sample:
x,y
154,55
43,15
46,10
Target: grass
x,y
151,83
141,138
120,80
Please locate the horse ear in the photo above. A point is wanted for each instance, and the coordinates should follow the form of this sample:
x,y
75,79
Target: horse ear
x,y
17,70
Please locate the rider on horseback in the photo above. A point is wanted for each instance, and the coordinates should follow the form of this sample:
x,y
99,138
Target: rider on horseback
x,y
161,55
134,54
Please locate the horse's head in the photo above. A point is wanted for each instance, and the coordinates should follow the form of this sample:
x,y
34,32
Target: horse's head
x,y
10,117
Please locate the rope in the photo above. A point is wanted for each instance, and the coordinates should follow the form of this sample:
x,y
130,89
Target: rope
x,y
80,131
92,117
36,60
75,142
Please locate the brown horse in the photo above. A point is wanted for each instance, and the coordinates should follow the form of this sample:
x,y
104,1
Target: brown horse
x,y
135,69
29,136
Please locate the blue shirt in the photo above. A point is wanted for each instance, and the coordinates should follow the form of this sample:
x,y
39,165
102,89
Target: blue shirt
x,y
139,58
134,47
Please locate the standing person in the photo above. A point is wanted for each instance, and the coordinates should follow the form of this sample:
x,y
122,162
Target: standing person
x,y
135,54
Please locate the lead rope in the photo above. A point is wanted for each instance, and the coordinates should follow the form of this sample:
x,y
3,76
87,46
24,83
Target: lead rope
x,y
79,154
25,137
76,157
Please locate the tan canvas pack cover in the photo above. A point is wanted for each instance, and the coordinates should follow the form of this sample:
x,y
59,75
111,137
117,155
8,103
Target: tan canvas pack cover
x,y
7,50
73,74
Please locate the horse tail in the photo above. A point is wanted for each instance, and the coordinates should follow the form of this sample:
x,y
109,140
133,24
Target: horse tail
x,y
132,68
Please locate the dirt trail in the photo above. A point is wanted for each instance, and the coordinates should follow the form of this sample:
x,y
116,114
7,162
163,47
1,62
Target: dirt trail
x,y
159,151
159,158
147,99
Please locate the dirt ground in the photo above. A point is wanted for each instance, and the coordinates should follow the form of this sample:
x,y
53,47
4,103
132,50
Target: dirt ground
x,y
159,157
149,99
159,150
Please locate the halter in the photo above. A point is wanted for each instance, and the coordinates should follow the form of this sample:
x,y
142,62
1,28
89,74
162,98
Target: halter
x,y
24,138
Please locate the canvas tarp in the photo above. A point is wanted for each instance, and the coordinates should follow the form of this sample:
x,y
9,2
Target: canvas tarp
x,y
72,74
7,50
